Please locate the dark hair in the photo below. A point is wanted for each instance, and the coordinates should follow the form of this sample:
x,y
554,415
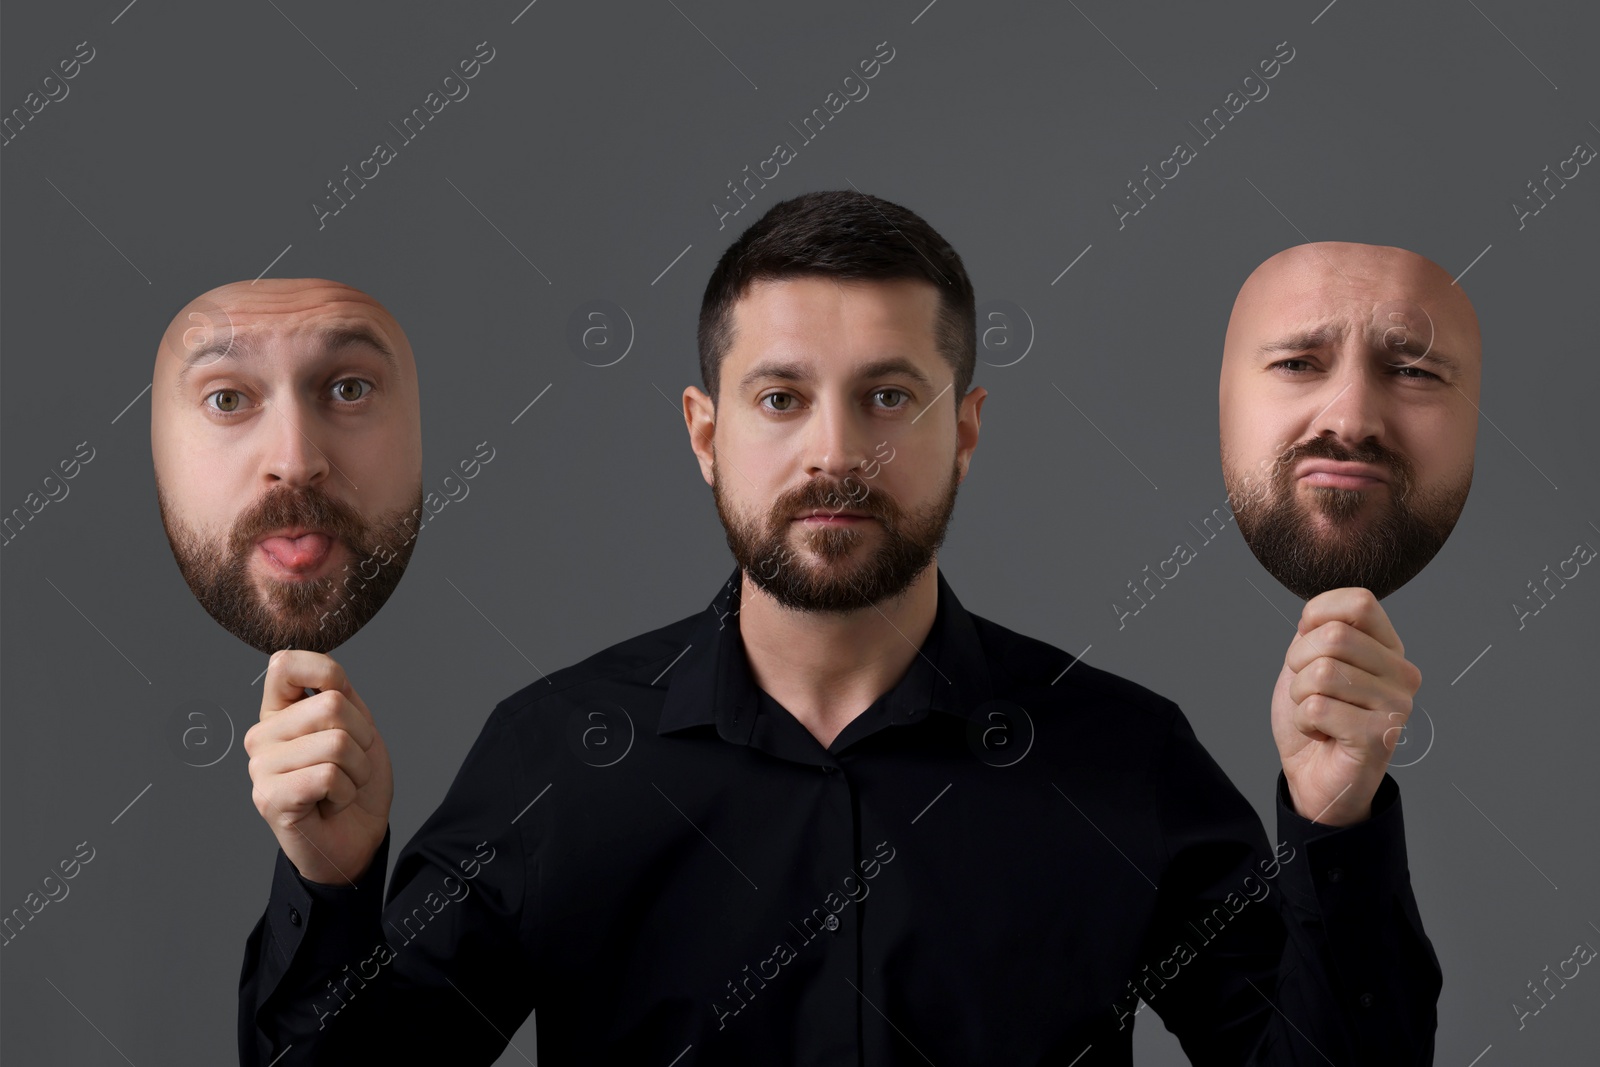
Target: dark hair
x,y
850,236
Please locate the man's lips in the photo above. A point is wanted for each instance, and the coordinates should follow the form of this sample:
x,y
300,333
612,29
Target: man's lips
x,y
822,516
297,552
1332,474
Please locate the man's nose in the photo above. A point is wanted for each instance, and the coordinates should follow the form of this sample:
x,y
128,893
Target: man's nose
x,y
295,446
836,442
1353,408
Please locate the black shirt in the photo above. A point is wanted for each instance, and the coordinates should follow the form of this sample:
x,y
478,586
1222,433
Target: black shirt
x,y
994,863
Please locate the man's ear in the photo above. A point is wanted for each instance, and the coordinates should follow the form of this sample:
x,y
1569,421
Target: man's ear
x,y
967,426
700,416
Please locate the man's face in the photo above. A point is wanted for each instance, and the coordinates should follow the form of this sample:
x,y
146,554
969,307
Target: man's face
x,y
1348,405
287,437
835,449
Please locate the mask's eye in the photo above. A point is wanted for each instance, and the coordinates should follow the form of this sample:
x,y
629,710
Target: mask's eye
x,y
904,396
360,386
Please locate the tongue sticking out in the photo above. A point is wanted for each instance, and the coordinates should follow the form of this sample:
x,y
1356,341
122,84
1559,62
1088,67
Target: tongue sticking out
x,y
298,553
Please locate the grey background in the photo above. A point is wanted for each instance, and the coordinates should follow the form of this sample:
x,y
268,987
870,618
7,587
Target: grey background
x,y
188,151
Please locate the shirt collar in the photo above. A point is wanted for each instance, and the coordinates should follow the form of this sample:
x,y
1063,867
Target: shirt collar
x,y
711,683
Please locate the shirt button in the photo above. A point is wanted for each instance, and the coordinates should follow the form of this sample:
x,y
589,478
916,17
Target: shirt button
x,y
1335,873
1366,1000
831,922
294,917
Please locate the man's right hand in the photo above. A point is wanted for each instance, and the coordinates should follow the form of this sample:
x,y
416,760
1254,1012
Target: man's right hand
x,y
321,772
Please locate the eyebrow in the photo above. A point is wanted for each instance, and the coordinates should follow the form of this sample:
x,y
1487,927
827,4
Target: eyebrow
x,y
1321,336
792,371
330,339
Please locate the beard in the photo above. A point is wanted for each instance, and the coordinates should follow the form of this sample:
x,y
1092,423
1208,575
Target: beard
x,y
316,614
1323,542
767,549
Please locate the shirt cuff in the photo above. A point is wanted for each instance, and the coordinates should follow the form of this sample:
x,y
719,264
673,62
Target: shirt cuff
x,y
1335,869
340,920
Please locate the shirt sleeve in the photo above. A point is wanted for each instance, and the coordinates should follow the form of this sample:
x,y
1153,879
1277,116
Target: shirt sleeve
x,y
1310,952
437,973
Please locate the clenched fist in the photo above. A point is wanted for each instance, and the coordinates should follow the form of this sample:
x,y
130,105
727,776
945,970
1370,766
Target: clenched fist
x,y
321,772
1343,694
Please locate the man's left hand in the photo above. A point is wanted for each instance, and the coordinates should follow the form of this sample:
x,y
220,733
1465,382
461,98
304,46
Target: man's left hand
x,y
1341,699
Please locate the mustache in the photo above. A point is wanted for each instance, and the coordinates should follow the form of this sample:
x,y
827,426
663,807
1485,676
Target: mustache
x,y
834,495
305,506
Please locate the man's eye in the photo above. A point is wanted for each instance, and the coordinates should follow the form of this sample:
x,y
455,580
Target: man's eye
x,y
228,401
901,393
775,397
344,385
1284,364
1414,372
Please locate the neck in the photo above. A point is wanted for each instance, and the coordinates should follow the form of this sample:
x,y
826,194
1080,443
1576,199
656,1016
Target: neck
x,y
826,668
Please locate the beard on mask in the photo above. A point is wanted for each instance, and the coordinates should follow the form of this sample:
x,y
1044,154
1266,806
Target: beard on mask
x,y
316,614
1323,541
773,550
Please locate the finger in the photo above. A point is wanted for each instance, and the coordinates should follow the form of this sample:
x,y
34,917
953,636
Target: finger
x,y
327,746
328,710
1339,640
1353,605
291,671
1343,682
289,798
1322,717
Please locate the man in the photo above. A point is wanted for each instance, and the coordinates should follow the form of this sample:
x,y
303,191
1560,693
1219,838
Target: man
x,y
285,424
834,818
1349,406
